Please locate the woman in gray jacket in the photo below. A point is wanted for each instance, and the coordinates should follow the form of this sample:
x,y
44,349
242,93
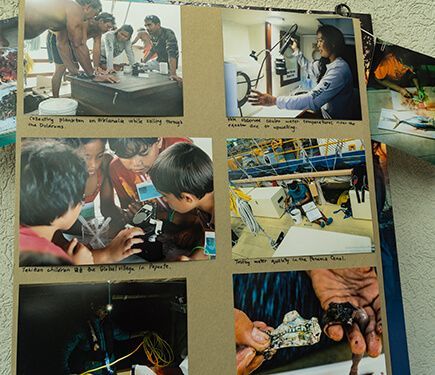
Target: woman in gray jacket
x,y
333,94
114,43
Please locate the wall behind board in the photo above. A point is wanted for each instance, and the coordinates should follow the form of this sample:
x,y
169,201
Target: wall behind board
x,y
407,23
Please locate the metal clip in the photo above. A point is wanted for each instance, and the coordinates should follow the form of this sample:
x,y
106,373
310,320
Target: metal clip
x,y
343,10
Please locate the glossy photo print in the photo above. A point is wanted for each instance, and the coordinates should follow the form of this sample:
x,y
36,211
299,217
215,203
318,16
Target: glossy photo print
x,y
291,65
103,328
401,98
102,58
296,196
113,200
8,79
317,322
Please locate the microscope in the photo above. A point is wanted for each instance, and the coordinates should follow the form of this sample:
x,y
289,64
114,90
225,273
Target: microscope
x,y
146,219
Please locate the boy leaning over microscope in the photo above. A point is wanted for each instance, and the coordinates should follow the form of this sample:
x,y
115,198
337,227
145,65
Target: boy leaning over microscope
x,y
183,174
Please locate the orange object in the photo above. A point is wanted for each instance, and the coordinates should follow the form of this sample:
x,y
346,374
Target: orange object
x,y
391,67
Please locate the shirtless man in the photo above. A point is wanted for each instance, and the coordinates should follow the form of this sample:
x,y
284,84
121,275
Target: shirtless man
x,y
94,29
69,16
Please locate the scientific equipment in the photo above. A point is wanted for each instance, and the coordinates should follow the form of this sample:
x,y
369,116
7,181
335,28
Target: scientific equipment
x,y
240,206
146,219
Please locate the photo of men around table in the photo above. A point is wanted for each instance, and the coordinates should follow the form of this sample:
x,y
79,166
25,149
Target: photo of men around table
x,y
102,58
299,197
103,328
104,201
310,322
401,98
293,65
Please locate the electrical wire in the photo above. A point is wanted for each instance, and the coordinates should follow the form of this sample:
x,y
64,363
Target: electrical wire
x,y
157,350
245,212
247,216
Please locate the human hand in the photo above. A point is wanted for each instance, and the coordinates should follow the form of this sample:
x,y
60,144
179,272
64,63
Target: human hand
x,y
197,254
131,211
106,78
359,286
259,98
294,45
251,340
101,71
120,247
405,93
79,253
174,77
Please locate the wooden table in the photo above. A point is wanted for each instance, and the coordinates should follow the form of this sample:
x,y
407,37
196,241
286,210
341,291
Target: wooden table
x,y
154,95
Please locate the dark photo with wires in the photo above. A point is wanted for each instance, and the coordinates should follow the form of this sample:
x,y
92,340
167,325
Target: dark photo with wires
x,y
401,98
103,328
298,197
290,65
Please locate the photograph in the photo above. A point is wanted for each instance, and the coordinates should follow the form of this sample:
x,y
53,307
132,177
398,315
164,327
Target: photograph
x,y
394,306
102,58
297,197
103,328
401,98
290,65
313,322
111,200
8,79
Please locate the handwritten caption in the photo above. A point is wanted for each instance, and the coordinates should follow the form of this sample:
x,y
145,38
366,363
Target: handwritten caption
x,y
63,122
292,260
280,123
125,268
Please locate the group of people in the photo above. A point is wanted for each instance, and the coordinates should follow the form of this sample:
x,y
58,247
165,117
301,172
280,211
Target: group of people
x,y
62,177
71,24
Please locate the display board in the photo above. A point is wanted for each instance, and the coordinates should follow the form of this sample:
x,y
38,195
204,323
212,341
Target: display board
x,y
66,163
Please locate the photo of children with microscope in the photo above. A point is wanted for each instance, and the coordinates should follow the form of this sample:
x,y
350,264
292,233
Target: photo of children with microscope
x,y
401,98
111,200
313,322
297,197
103,328
293,65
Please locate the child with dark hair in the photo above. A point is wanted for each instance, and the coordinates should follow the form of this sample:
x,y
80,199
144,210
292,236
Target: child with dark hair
x,y
52,187
333,94
98,184
134,158
52,183
183,174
